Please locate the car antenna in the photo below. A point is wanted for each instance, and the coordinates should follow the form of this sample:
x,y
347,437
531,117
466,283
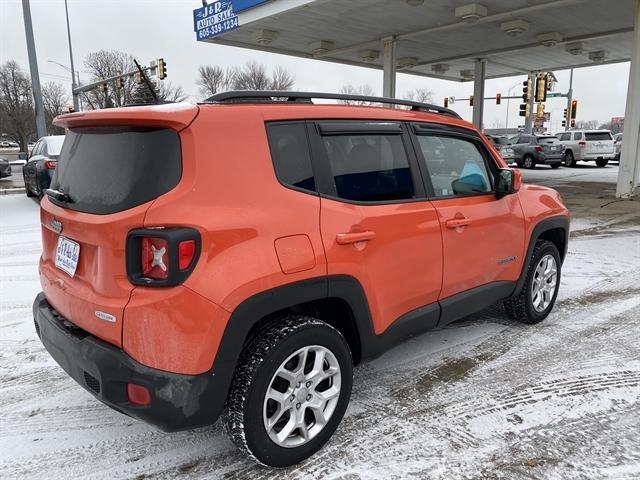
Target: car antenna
x,y
146,80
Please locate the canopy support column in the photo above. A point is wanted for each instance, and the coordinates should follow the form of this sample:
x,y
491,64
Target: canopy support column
x,y
478,92
389,67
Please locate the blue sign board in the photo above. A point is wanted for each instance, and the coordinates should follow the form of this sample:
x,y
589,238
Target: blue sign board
x,y
220,17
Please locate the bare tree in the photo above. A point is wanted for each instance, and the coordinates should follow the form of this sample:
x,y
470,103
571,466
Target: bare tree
x,y
166,92
55,100
586,124
17,113
252,76
104,64
281,79
423,95
365,90
212,79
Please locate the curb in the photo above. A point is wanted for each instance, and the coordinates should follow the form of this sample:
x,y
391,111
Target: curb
x,y
11,191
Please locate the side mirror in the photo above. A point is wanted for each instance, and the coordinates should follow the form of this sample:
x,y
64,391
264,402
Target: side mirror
x,y
22,156
508,181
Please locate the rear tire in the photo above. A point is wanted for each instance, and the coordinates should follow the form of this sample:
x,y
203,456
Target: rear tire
x,y
602,162
555,165
529,162
282,360
569,159
538,295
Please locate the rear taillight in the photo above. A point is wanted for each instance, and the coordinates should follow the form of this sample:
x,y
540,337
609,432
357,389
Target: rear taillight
x,y
155,258
162,257
538,148
50,164
582,144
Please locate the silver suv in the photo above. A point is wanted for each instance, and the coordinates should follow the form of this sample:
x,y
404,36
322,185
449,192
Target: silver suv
x,y
587,146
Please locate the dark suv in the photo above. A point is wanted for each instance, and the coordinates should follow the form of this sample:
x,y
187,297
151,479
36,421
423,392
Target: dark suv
x,y
530,150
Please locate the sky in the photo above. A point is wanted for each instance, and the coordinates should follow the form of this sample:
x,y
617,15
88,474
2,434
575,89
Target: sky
x,y
149,29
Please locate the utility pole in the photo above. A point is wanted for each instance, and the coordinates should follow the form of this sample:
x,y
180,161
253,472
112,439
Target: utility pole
x,y
569,102
76,103
528,124
41,126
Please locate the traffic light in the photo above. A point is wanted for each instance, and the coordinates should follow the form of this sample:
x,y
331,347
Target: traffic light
x,y
541,88
573,123
446,102
137,77
524,110
540,110
70,109
162,68
471,101
120,83
574,108
526,91
565,117
498,98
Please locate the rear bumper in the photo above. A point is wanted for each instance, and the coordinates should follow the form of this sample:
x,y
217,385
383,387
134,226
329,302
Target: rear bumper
x,y
178,402
5,170
590,157
551,159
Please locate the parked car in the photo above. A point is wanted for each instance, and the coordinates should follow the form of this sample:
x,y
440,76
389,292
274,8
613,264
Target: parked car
x,y
39,169
531,150
587,146
617,141
179,286
5,144
503,145
5,167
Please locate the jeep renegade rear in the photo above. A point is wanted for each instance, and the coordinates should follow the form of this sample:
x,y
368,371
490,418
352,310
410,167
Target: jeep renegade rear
x,y
238,257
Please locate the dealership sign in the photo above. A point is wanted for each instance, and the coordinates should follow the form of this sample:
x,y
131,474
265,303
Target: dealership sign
x,y
220,17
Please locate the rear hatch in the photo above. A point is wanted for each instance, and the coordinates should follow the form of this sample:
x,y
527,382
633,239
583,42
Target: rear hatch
x,y
551,146
111,168
599,143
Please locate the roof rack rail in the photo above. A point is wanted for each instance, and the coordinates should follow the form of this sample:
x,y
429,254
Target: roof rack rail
x,y
275,96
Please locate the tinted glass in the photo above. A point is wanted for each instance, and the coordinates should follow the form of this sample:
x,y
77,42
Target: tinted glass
x,y
577,136
37,148
54,145
565,136
523,140
455,165
107,170
369,168
597,136
546,140
290,152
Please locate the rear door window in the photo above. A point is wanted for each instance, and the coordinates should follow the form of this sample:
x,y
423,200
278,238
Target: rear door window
x,y
597,136
109,169
368,167
577,136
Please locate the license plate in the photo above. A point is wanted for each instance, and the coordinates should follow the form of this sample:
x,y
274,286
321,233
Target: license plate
x,y
67,255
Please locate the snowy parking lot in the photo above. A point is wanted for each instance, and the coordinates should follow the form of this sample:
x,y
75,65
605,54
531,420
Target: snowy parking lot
x,y
484,398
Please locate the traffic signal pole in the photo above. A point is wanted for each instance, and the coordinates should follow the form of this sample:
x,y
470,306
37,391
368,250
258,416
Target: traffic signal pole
x,y
569,101
528,124
41,126
76,103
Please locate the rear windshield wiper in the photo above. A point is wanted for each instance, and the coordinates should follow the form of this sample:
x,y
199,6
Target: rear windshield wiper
x,y
58,195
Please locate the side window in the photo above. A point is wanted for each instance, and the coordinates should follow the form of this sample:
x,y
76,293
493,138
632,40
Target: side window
x,y
37,149
523,140
369,167
290,153
577,136
455,165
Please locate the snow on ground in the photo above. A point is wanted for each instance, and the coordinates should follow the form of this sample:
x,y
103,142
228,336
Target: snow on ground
x,y
484,398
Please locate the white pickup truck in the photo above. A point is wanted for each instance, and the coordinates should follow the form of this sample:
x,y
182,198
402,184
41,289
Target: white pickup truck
x,y
587,146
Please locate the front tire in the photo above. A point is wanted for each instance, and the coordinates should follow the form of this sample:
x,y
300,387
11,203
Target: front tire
x,y
289,392
602,162
569,159
529,162
538,295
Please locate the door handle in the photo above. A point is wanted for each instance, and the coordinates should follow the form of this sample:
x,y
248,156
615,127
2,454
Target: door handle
x,y
354,237
458,222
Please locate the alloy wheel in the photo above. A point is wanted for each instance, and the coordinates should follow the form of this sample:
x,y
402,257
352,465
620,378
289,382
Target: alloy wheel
x,y
545,280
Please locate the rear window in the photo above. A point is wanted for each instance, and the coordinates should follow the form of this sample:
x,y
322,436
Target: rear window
x,y
106,170
597,136
542,140
54,145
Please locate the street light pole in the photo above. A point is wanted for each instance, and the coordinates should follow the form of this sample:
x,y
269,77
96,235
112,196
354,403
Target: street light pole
x,y
506,123
76,103
75,84
41,126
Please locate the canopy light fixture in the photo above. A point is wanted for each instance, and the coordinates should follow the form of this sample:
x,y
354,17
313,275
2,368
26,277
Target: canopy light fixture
x,y
515,27
471,13
467,75
321,47
598,56
407,62
265,37
550,39
368,55
440,68
575,48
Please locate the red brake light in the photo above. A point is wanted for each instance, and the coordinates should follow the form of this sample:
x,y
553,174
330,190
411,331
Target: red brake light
x,y
155,258
186,252
582,144
138,394
539,148
50,164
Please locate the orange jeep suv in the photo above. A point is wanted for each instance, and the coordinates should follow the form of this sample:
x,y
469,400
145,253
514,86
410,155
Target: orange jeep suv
x,y
236,258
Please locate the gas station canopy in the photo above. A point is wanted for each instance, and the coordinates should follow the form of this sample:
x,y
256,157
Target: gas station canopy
x,y
441,38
